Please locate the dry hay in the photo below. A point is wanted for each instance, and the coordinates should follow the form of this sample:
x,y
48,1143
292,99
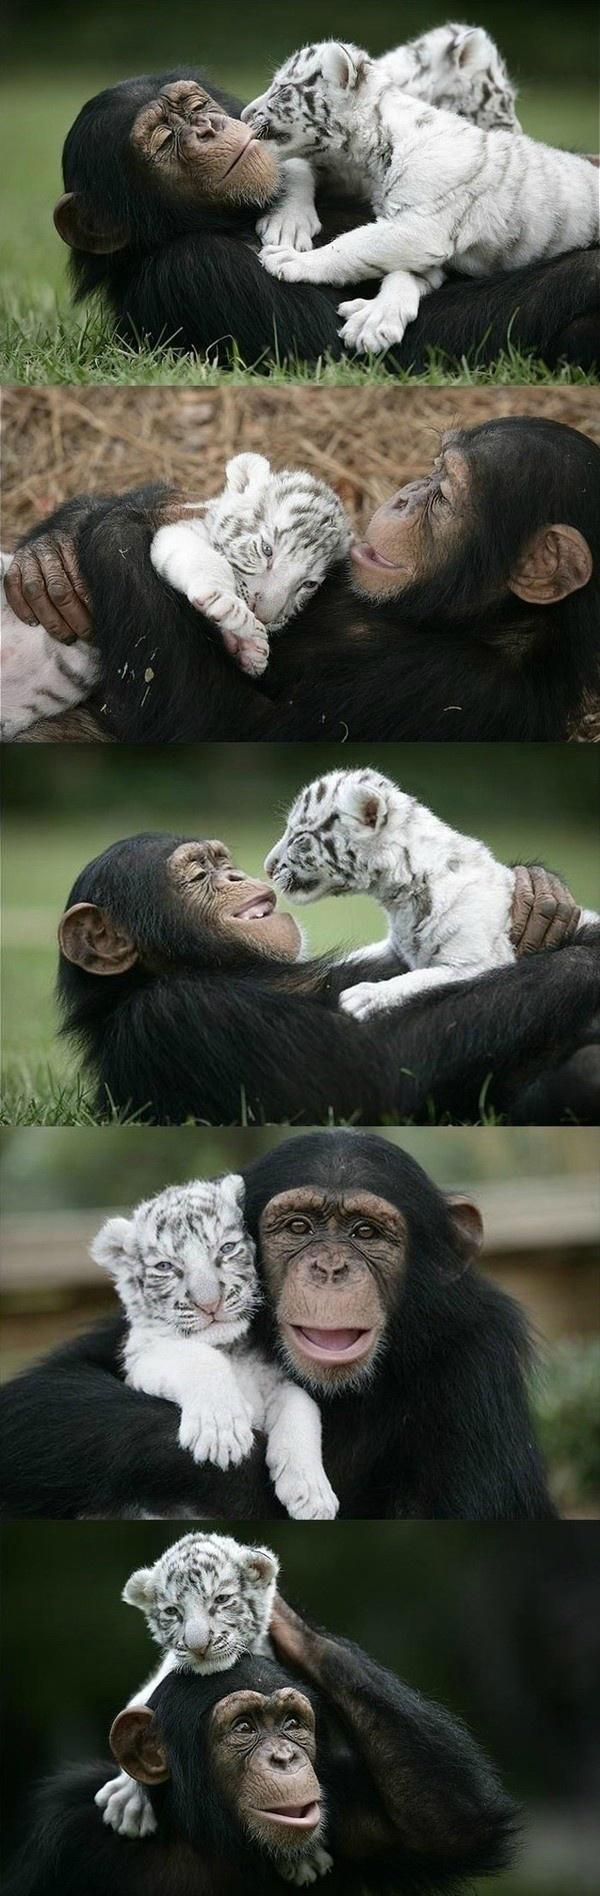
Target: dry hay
x,y
61,442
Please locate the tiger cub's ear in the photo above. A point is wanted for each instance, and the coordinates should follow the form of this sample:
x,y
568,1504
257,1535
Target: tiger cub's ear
x,y
367,804
233,1187
247,473
260,1565
140,1588
111,1246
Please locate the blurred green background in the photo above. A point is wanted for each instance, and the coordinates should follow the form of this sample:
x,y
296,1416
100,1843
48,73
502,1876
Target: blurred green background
x,y
526,801
498,1624
56,56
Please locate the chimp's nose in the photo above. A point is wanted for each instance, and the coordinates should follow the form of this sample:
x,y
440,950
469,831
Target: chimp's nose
x,y
201,131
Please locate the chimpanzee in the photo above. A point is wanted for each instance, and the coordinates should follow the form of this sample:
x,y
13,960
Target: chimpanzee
x,y
373,1301
470,612
179,981
163,186
245,1766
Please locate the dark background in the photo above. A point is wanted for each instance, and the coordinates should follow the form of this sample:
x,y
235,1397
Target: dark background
x,y
497,1622
535,39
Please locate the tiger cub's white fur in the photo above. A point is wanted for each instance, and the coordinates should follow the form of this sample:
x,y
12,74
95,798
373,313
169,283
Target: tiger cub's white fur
x,y
255,554
447,901
444,192
458,68
184,1268
39,677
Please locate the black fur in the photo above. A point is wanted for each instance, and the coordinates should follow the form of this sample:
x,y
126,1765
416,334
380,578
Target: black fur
x,y
201,1850
457,657
441,1431
221,1033
193,281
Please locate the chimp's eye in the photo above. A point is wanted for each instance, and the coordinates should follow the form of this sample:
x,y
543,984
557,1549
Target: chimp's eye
x,y
244,1725
299,1226
364,1230
291,1724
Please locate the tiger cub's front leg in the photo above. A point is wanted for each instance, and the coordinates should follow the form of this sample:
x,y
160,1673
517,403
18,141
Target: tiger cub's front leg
x,y
180,553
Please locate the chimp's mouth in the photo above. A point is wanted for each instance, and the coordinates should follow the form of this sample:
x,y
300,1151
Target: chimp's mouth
x,y
251,140
258,909
300,1816
364,554
331,1346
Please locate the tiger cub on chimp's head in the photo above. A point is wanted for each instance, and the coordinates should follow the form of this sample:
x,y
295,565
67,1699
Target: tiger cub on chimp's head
x,y
207,1601
252,558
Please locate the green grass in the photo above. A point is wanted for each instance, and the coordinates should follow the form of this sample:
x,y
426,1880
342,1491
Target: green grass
x,y
41,1081
43,341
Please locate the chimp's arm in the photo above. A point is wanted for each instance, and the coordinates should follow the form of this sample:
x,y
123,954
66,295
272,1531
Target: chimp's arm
x,y
208,292
415,1790
218,1049
77,1441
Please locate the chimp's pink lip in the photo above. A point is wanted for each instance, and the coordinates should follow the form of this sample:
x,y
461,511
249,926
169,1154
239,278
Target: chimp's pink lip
x,y
301,1816
258,909
366,555
331,1346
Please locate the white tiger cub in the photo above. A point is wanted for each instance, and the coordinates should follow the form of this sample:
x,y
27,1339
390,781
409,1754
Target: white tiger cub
x,y
255,554
444,192
447,901
184,1268
455,67
206,1601
39,676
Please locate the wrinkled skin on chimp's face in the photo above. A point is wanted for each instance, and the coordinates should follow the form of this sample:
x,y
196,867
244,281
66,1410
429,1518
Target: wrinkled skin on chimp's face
x,y
191,149
230,902
334,1264
264,1753
411,537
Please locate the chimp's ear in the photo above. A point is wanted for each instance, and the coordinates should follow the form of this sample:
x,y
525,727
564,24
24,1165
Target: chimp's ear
x,y
261,1565
135,1743
557,562
81,230
110,1246
139,1589
247,473
468,1223
89,939
367,805
341,65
